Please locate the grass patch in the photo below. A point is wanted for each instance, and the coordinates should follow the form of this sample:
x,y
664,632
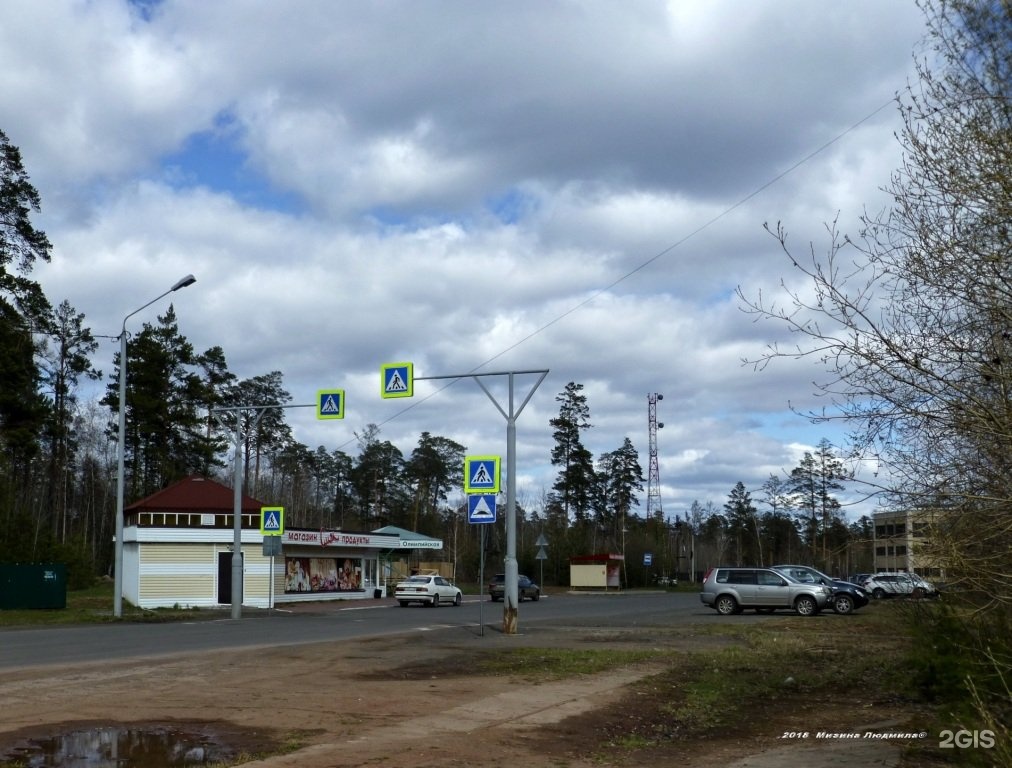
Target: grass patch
x,y
94,605
769,673
541,664
791,660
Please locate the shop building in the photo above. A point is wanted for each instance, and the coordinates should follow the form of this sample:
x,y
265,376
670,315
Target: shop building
x,y
178,545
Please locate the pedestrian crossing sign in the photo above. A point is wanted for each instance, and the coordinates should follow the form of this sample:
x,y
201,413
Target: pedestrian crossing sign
x,y
397,380
330,404
272,521
481,474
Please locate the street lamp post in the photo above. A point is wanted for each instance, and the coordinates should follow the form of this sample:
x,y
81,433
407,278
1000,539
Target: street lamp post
x,y
121,468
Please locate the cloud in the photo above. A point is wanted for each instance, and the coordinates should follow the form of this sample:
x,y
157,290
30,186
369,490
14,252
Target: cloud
x,y
578,187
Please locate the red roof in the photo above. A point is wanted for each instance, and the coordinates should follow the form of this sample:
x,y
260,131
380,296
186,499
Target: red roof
x,y
195,494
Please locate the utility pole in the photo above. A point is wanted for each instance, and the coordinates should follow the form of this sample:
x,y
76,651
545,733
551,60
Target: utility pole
x,y
237,563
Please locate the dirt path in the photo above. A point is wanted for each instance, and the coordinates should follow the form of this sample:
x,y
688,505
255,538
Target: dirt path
x,y
405,702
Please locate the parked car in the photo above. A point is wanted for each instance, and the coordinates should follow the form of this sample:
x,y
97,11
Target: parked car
x,y
730,590
846,597
428,589
525,588
900,583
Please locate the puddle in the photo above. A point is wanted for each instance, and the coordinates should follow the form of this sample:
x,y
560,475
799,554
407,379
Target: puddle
x,y
123,746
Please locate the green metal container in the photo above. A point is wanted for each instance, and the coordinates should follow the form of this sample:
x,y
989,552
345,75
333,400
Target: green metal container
x,y
33,585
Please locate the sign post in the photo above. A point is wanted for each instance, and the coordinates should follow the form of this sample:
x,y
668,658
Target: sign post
x,y
510,413
541,543
481,510
272,525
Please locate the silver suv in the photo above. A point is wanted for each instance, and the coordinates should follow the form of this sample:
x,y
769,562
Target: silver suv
x,y
730,590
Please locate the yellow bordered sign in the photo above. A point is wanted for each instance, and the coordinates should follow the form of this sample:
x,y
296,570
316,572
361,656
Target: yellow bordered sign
x,y
397,380
330,404
481,474
272,521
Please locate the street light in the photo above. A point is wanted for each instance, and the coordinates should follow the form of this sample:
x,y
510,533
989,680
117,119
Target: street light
x,y
117,606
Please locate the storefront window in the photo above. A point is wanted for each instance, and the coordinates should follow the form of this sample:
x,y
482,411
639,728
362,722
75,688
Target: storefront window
x,y
370,574
323,574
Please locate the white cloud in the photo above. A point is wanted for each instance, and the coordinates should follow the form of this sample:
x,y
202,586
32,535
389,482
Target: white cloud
x,y
566,186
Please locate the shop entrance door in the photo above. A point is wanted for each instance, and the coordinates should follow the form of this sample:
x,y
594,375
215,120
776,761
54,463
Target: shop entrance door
x,y
225,578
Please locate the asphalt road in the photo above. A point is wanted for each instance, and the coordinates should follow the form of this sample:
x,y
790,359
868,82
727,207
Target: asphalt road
x,y
29,647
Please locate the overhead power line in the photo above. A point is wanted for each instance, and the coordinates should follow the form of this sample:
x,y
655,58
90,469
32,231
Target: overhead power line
x,y
660,254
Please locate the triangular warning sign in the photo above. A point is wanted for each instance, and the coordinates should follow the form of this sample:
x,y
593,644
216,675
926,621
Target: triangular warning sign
x,y
330,405
396,382
481,510
481,476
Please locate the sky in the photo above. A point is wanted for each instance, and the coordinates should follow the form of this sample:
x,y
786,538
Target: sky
x,y
573,186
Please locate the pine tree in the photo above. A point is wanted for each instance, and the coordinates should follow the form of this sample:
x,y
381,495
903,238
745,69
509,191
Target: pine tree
x,y
574,487
213,386
434,468
743,526
21,244
23,309
780,531
164,429
63,365
264,429
812,484
620,480
379,482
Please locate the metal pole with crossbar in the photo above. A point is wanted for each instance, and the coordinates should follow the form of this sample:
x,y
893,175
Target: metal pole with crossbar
x,y
510,413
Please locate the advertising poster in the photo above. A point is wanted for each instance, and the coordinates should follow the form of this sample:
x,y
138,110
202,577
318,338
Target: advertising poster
x,y
323,574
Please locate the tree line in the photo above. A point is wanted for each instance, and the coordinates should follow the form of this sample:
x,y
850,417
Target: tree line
x,y
591,508
58,455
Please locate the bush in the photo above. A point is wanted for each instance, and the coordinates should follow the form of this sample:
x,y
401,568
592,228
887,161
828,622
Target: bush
x,y
962,659
80,569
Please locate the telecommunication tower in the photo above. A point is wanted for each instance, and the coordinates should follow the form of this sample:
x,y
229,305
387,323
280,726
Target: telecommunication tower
x,y
654,477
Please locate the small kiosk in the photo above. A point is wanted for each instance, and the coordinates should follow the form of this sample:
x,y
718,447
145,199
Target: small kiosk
x,y
178,544
603,571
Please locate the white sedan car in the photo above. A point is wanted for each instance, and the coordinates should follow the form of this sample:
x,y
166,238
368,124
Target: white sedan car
x,y
428,589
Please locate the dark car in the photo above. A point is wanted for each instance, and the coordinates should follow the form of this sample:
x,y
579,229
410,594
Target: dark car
x,y
859,578
525,588
846,597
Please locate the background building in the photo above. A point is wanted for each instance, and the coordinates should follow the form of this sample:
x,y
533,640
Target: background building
x,y
900,542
